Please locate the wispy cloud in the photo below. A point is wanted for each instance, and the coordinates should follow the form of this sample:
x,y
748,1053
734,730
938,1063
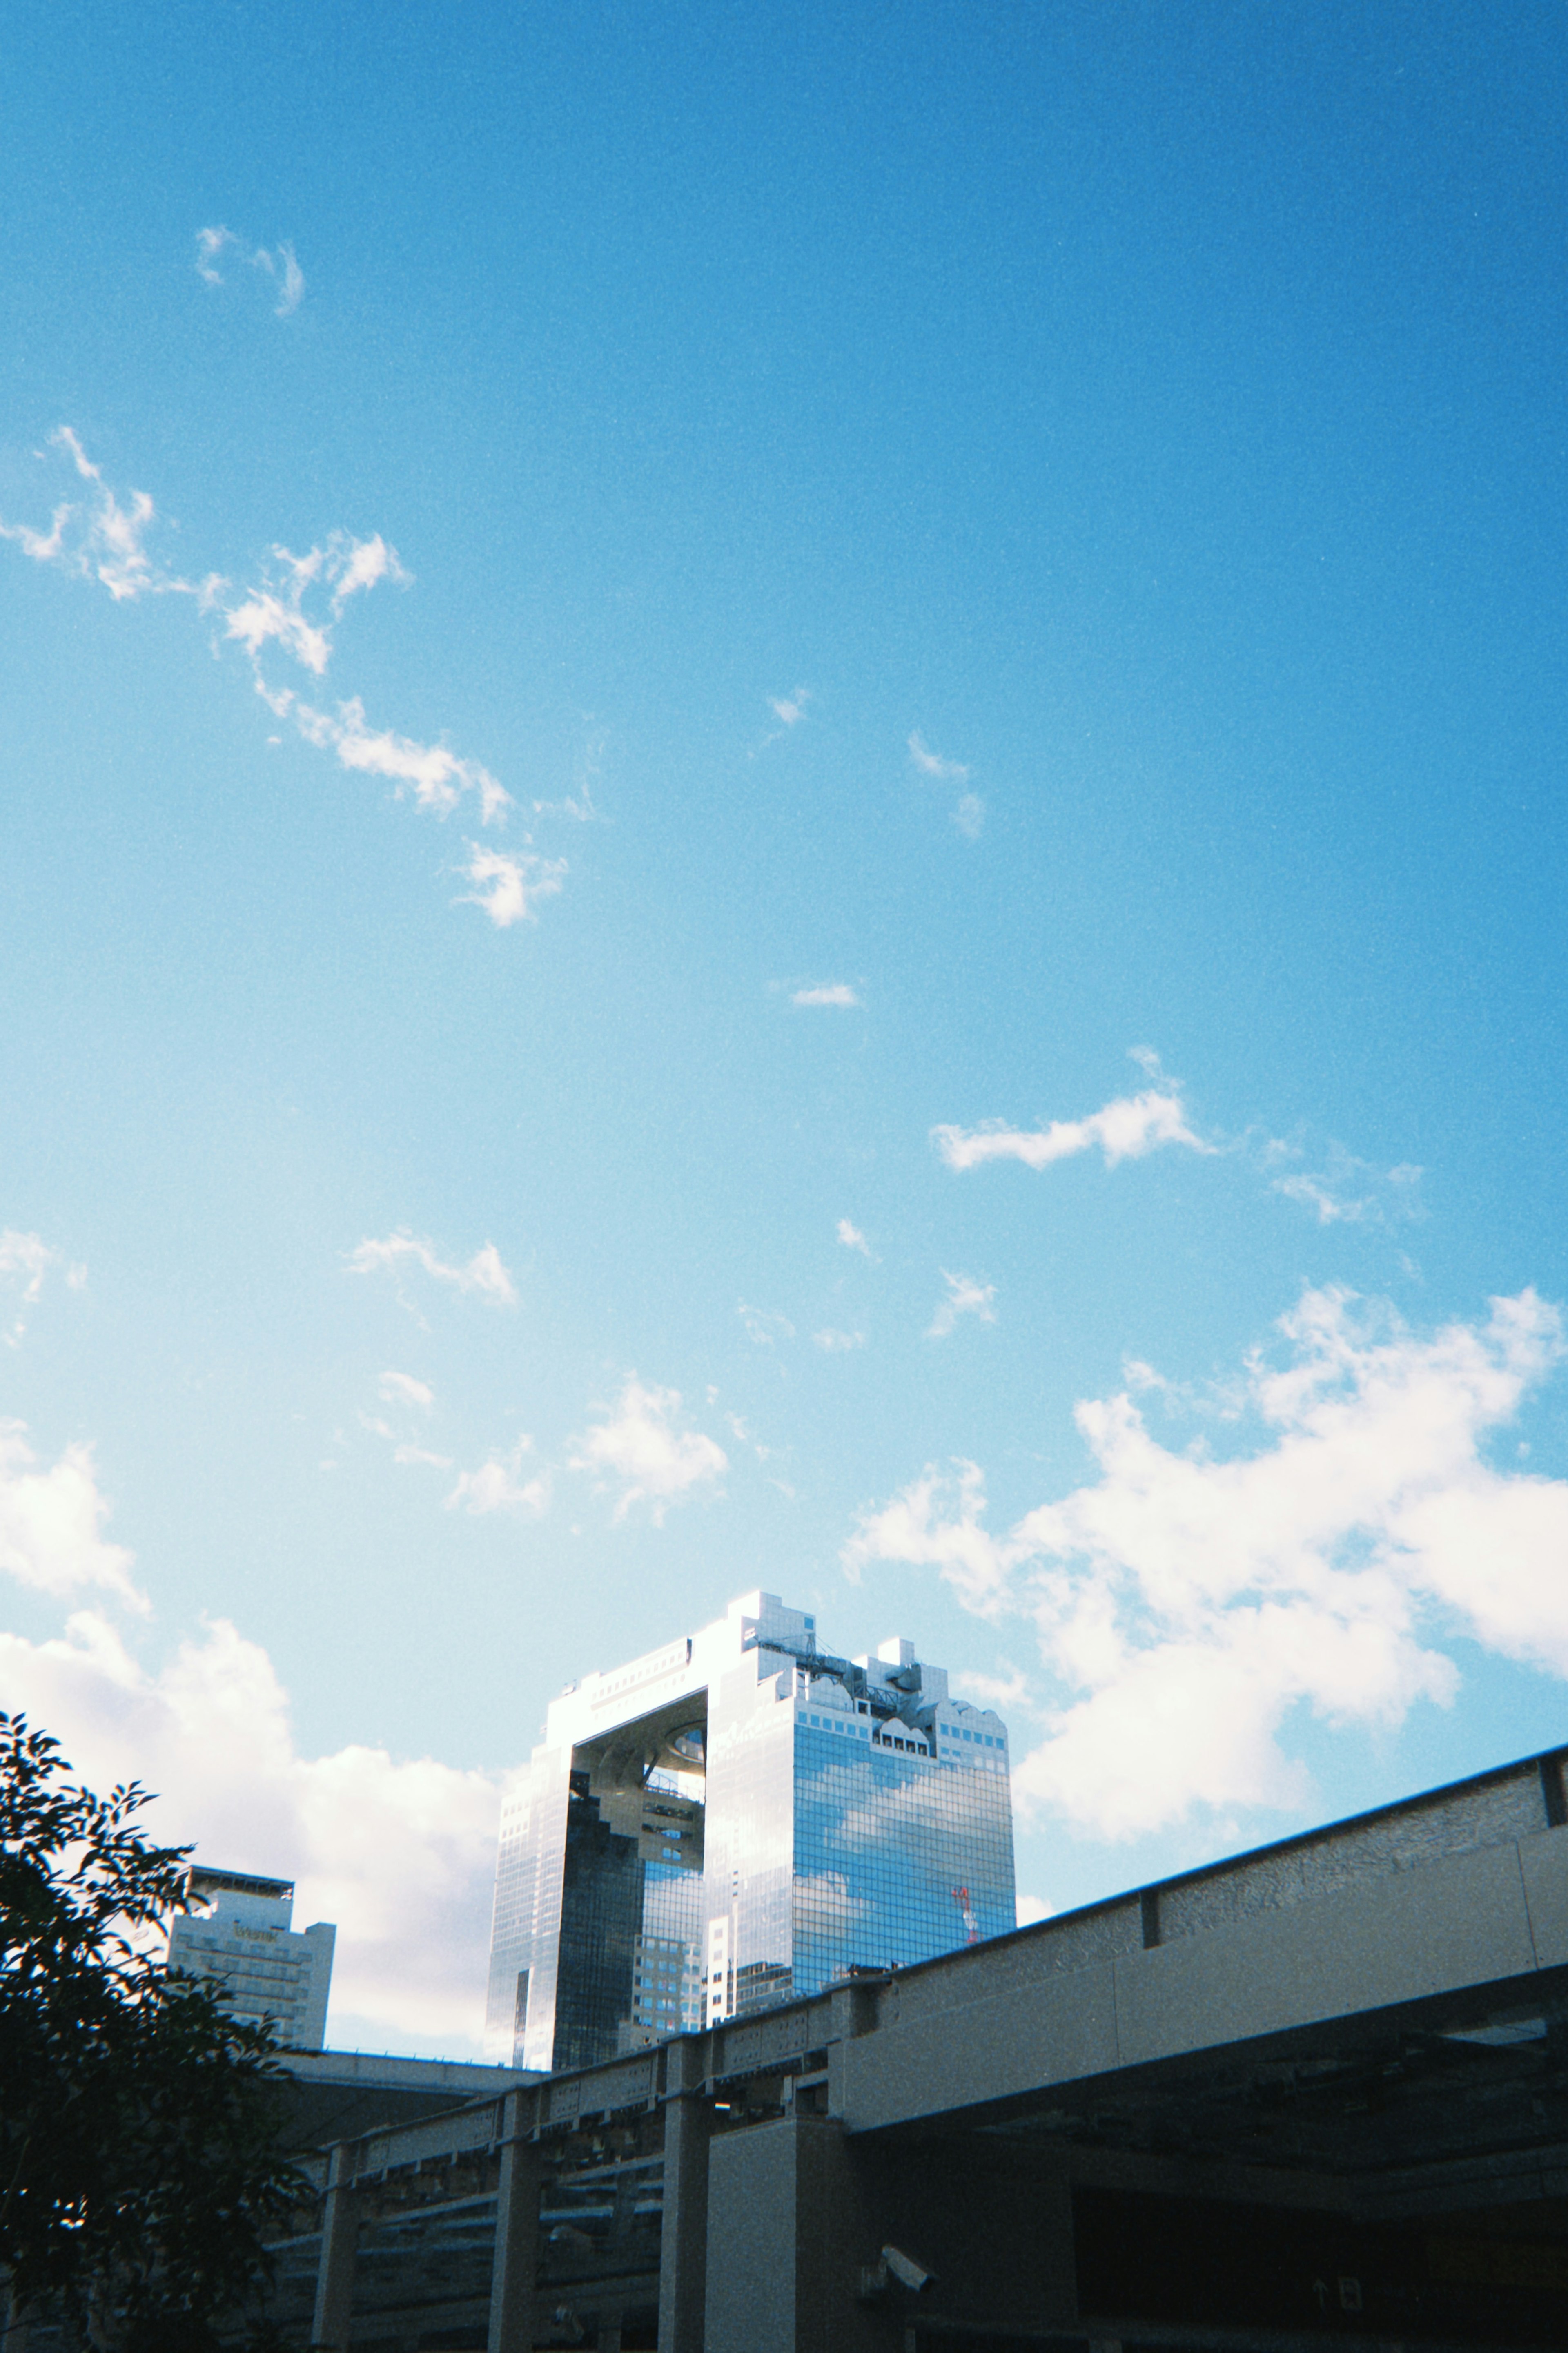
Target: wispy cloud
x,y
292,609
95,537
353,564
509,887
833,992
763,1325
969,817
579,804
497,1486
1344,1190
274,609
932,763
210,246
435,777
290,277
1185,1606
853,1239
1127,1129
432,774
964,1297
838,1344
484,1273
789,710
642,1445
26,1260
217,245
1332,1184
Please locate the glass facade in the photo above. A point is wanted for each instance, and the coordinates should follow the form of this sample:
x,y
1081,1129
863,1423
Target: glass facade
x,y
739,1818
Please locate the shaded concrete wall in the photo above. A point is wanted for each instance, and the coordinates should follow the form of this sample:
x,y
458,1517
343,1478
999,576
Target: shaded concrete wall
x,y
1474,1918
799,2216
868,2111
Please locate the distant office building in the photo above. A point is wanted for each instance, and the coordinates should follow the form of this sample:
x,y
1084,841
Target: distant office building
x,y
242,1944
736,1819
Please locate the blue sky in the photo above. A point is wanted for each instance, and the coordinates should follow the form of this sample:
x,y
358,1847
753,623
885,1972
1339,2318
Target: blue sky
x,y
814,840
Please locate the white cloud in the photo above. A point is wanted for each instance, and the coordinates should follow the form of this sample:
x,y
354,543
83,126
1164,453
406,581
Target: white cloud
x,y
44,548
402,1389
437,777
1184,1606
266,614
838,1344
51,1521
25,1262
497,1487
823,1898
1027,1909
101,540
483,1274
931,764
509,888
853,1239
964,1297
656,1461
1124,1130
836,992
274,609
969,817
282,267
400,1854
355,565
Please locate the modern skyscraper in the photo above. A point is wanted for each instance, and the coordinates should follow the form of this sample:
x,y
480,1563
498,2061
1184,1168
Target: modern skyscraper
x,y
243,1943
732,1819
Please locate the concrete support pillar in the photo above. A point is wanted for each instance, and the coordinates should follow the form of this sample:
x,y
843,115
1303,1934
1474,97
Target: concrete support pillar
x,y
516,2262
683,2244
335,2272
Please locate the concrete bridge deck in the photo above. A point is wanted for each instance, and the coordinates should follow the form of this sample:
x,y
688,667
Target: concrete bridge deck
x,y
1321,2089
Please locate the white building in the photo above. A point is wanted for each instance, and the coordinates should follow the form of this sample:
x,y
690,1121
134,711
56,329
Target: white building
x,y
242,1944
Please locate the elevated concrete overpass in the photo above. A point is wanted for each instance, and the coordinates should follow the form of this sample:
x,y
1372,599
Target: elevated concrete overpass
x,y
1319,2090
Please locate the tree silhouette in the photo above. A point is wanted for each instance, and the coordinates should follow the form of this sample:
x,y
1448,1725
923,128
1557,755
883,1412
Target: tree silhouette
x,y
139,2166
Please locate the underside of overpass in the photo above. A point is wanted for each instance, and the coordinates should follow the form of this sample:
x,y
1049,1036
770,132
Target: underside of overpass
x,y
1320,2091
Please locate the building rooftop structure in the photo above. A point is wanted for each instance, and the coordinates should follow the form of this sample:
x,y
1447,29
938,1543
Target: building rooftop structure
x,y
735,1819
241,1941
